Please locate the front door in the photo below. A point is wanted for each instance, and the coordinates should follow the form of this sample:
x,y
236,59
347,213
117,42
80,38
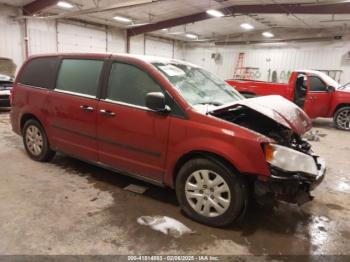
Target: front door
x,y
73,108
318,99
131,137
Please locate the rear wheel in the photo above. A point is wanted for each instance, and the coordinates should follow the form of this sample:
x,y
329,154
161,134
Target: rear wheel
x,y
209,192
342,118
35,141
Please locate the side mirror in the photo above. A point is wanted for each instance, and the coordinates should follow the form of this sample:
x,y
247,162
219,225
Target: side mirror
x,y
156,102
331,89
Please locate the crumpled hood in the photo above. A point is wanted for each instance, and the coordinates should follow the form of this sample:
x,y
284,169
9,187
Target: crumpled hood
x,y
276,108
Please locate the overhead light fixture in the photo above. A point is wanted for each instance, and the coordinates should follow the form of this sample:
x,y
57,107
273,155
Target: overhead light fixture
x,y
247,26
191,36
165,29
64,4
215,13
122,19
268,34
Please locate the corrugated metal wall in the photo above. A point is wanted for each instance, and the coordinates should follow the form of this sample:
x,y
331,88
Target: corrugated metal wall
x,y
51,36
280,58
11,39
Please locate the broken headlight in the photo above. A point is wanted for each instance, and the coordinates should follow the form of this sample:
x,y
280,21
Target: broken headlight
x,y
289,160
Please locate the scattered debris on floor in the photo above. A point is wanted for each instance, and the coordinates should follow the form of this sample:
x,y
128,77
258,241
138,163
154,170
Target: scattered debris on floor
x,y
136,188
313,135
166,225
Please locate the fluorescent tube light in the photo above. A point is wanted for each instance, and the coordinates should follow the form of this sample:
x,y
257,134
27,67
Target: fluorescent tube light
x,y
64,4
122,19
191,36
215,13
247,26
268,34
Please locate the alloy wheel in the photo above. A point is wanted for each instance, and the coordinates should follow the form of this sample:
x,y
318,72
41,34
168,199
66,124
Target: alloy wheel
x,y
343,119
34,140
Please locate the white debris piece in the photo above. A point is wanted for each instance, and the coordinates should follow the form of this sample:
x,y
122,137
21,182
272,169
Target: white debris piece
x,y
136,188
312,135
166,225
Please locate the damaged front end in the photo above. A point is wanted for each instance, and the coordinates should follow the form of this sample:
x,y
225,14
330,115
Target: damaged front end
x,y
294,169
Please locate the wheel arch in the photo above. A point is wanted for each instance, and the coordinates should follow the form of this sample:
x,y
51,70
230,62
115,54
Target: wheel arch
x,y
340,106
203,154
25,117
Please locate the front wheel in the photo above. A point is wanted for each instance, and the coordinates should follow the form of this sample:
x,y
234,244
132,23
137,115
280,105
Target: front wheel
x,y
209,192
36,142
342,118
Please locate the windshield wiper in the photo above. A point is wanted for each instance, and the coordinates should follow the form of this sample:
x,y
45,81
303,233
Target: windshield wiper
x,y
214,103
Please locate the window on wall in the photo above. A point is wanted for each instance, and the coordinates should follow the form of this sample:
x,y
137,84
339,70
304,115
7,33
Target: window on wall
x,y
79,76
317,85
129,84
40,72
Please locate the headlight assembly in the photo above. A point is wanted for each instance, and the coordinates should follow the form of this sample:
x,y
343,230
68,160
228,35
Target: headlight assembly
x,y
289,160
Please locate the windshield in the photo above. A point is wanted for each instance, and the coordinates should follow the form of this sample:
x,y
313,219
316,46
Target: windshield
x,y
330,81
198,86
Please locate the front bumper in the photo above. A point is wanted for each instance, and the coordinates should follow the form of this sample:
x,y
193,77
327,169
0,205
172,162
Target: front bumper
x,y
293,187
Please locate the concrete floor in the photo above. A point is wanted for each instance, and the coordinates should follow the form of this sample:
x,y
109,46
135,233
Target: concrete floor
x,y
69,207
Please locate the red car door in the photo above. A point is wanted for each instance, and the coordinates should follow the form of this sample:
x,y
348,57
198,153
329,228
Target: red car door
x,y
318,99
131,137
73,108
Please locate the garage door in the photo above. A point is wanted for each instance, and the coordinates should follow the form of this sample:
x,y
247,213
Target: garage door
x,y
72,38
159,47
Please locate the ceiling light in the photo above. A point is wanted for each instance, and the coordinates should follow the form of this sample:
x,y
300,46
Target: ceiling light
x,y
215,13
247,26
191,36
165,29
64,4
122,19
268,34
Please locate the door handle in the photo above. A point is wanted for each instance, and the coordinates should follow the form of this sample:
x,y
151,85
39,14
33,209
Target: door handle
x,y
107,112
86,108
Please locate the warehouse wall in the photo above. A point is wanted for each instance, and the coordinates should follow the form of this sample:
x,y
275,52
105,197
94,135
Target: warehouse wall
x,y
46,36
281,58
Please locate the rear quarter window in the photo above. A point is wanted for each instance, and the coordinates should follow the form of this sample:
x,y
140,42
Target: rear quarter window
x,y
40,72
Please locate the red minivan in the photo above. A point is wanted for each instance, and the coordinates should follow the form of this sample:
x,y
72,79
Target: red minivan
x,y
170,123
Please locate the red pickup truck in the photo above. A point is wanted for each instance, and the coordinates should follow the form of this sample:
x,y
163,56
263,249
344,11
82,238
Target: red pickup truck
x,y
315,92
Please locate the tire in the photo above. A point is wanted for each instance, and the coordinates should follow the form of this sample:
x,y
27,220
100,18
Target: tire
x,y
341,118
35,142
194,198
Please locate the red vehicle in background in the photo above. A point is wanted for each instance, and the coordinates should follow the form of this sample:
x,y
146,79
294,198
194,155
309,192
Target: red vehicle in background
x,y
315,92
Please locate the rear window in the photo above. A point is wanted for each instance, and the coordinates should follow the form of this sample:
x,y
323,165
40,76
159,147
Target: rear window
x,y
40,72
79,76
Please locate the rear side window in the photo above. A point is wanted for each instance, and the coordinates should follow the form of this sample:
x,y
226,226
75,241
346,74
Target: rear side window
x,y
79,76
317,85
129,84
40,72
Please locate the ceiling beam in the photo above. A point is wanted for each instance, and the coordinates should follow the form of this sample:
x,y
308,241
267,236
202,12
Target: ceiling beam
x,y
337,8
38,6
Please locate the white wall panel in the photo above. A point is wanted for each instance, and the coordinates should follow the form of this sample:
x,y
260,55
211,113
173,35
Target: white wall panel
x,y
116,41
11,36
74,38
137,45
159,47
285,57
42,36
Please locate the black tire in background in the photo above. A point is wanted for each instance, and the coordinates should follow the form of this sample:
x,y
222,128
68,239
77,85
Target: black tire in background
x,y
236,185
341,118
45,154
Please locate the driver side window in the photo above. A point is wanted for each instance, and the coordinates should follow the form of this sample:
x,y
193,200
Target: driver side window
x,y
317,85
129,84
